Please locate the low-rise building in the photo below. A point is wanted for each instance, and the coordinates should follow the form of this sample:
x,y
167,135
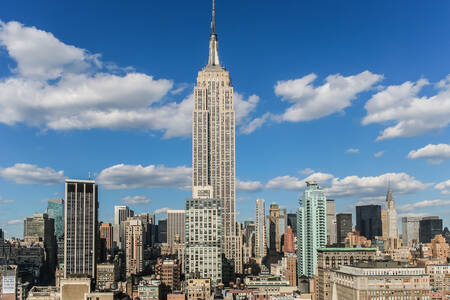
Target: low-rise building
x,y
439,280
107,274
44,293
380,280
199,289
149,289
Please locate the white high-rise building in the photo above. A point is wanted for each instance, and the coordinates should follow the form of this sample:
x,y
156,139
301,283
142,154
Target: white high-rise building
x,y
260,228
121,213
391,216
410,229
134,245
331,222
175,225
213,141
203,254
311,228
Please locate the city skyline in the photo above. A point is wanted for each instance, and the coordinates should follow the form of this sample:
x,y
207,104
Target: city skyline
x,y
149,170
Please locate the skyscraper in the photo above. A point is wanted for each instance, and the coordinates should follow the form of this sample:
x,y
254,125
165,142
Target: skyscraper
x,y
391,216
274,228
410,229
175,225
289,240
106,234
134,239
162,230
331,222
203,238
213,139
429,228
260,229
343,226
292,221
80,236
121,213
368,221
55,210
311,228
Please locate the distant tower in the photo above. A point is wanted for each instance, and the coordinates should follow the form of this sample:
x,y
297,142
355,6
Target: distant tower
x,y
55,211
331,222
274,228
391,216
134,244
121,213
289,241
81,231
311,228
175,226
260,228
213,141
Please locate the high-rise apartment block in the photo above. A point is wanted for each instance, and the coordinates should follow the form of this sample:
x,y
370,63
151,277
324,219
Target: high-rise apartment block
x,y
274,228
106,234
429,227
81,231
391,216
410,230
204,238
311,228
213,141
343,226
260,229
134,240
121,213
175,226
55,211
288,245
331,222
368,221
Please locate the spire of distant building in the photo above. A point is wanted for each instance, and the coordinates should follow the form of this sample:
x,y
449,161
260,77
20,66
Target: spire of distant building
x,y
213,41
391,214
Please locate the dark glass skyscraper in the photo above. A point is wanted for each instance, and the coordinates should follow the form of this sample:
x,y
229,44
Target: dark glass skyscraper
x,y
429,227
368,221
343,226
55,211
292,221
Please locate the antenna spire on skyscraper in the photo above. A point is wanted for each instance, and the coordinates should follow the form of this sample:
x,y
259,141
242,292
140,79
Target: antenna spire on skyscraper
x,y
213,21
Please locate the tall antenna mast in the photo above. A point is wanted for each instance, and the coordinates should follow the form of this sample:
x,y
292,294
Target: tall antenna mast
x,y
213,22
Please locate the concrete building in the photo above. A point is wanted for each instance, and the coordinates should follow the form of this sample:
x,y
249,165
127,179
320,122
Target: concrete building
x,y
55,211
204,237
410,230
331,222
440,248
311,228
44,293
74,288
81,228
169,272
355,240
391,216
368,221
260,229
175,226
121,213
329,259
289,262
343,226
134,239
213,141
41,228
107,274
274,228
149,290
199,289
429,227
106,234
380,280
439,280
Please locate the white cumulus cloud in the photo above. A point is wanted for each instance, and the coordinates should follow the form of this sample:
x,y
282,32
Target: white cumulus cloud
x,y
123,176
249,186
444,187
379,154
130,200
22,173
435,154
423,204
410,113
352,151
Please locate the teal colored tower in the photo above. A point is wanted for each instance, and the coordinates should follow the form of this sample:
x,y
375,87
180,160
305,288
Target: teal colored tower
x,y
311,228
55,210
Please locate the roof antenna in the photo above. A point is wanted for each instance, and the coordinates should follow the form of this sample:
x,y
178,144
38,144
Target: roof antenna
x,y
213,22
89,175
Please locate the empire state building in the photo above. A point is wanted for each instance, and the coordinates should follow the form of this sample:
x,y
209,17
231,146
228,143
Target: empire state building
x,y
213,143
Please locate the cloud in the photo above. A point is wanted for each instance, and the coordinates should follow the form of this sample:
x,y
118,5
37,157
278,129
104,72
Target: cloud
x,y
444,187
5,201
130,200
244,107
311,102
123,176
435,154
352,150
255,124
410,114
22,173
161,210
419,215
423,204
249,186
14,222
371,188
307,171
379,154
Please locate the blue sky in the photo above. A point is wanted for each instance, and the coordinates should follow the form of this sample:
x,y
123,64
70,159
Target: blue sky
x,y
352,94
